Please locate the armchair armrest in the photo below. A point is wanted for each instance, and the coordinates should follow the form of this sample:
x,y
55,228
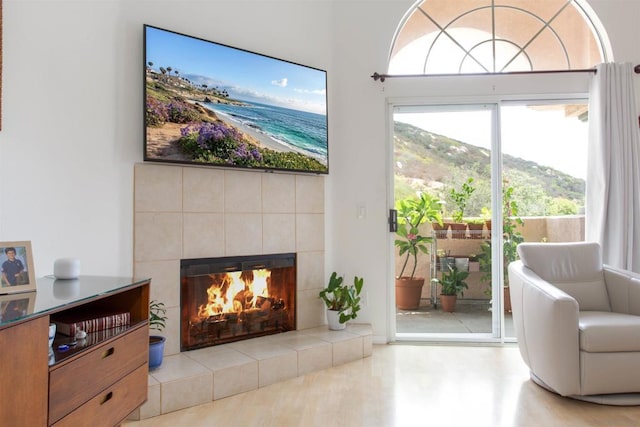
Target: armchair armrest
x,y
546,322
623,288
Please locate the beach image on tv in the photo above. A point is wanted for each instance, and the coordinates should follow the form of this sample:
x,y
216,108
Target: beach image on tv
x,y
212,104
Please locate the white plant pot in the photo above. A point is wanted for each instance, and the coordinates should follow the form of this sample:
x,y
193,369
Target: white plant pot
x,y
333,318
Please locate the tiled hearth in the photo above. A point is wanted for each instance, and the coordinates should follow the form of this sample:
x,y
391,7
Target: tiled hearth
x,y
189,212
195,377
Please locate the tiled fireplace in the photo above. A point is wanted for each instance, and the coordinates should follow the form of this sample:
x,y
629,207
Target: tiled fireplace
x,y
192,213
189,212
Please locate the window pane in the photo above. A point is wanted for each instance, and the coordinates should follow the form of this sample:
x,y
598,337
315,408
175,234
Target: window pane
x,y
544,160
464,36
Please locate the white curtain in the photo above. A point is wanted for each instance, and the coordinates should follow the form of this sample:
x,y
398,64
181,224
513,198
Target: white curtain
x,y
613,180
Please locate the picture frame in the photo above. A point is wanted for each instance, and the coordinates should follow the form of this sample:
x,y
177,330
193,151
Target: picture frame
x,y
16,306
16,267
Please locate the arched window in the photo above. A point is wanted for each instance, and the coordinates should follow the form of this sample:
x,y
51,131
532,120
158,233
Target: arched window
x,y
491,36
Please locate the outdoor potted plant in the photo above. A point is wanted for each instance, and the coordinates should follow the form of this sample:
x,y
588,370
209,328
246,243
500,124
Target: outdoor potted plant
x,y
460,198
452,284
511,238
157,322
476,227
412,213
342,301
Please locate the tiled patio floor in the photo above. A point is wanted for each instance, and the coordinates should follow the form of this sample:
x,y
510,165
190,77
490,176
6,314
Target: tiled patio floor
x,y
469,317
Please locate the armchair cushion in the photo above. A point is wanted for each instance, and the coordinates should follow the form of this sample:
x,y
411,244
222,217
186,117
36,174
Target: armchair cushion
x,y
606,332
575,268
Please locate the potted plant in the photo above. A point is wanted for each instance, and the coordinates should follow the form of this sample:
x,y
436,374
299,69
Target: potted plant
x,y
157,322
342,301
460,198
452,283
485,212
511,238
412,213
476,227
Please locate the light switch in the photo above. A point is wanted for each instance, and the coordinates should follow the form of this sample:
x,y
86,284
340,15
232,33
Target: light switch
x,y
361,211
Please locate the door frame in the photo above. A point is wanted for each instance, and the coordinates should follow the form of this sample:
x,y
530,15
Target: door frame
x,y
496,101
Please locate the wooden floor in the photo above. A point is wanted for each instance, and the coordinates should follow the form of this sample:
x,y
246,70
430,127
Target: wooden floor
x,y
402,385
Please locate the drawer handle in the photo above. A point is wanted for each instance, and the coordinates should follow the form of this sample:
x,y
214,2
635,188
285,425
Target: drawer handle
x,y
108,352
106,398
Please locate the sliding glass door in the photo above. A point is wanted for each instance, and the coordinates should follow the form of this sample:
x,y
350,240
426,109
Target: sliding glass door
x,y
520,165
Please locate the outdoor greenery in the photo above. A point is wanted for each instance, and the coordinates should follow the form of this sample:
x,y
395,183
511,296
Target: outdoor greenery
x,y
461,198
510,235
453,281
432,163
412,212
343,298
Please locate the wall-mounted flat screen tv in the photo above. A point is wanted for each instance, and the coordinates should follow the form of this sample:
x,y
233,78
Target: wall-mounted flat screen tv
x,y
211,104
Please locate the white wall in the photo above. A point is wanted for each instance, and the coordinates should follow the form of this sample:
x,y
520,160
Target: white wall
x,y
72,117
72,110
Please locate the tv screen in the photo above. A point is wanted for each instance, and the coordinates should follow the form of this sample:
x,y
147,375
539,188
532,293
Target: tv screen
x,y
211,104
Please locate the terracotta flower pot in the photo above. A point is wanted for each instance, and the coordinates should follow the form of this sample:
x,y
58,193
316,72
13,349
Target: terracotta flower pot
x,y
408,292
458,230
441,230
475,230
507,299
448,303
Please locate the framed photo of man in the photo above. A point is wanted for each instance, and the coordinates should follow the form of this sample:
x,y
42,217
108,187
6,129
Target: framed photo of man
x,y
16,265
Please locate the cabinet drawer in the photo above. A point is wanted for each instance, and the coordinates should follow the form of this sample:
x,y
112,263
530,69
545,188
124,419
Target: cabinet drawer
x,y
74,383
112,405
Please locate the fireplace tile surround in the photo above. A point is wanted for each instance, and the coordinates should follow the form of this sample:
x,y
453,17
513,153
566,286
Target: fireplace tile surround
x,y
191,212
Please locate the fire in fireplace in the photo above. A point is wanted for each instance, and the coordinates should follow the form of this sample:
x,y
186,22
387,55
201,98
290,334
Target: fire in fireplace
x,y
235,298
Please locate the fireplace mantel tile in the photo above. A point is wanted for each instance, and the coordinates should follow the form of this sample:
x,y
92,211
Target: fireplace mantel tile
x,y
158,236
278,193
165,275
203,235
242,192
242,234
278,233
309,194
309,232
158,188
203,190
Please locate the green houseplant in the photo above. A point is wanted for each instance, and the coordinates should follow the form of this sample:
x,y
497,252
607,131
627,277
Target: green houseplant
x,y
157,322
452,284
511,238
460,199
412,213
342,301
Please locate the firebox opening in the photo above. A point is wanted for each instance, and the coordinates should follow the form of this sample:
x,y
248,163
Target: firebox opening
x,y
234,298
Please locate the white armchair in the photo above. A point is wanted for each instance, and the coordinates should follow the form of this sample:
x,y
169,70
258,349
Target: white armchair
x,y
577,322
